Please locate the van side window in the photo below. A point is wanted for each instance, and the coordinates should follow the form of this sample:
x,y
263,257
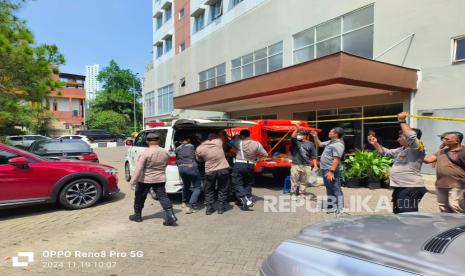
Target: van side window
x,y
140,140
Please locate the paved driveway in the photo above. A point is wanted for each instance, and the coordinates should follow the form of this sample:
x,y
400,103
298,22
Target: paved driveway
x,y
102,241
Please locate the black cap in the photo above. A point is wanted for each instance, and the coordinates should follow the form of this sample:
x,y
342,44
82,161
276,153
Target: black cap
x,y
153,136
303,132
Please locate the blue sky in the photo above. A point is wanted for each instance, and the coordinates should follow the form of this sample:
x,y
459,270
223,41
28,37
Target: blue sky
x,y
94,31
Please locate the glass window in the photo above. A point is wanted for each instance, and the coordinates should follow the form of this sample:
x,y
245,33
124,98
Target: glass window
x,y
328,47
235,2
236,74
168,44
5,156
260,54
216,9
261,67
17,138
167,13
140,140
236,63
359,42
181,13
275,48
159,22
358,19
165,99
304,54
276,62
198,22
459,49
258,62
247,59
247,71
328,29
182,47
304,38
159,50
212,77
44,147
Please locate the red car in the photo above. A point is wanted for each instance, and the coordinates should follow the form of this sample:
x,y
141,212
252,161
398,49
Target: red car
x,y
26,178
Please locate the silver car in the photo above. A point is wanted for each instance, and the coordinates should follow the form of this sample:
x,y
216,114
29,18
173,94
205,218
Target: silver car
x,y
406,244
24,141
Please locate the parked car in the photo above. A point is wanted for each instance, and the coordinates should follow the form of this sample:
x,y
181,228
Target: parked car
x,y
24,141
74,137
405,244
31,179
64,149
169,140
96,135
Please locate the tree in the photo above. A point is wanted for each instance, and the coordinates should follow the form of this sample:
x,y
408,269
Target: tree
x,y
25,70
109,120
119,88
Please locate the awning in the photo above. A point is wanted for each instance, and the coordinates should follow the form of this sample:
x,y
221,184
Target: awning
x,y
337,76
198,12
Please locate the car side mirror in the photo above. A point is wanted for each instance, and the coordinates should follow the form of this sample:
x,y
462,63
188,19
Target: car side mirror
x,y
129,142
19,162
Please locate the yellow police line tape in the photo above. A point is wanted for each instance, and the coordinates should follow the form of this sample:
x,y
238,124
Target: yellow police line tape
x,y
437,118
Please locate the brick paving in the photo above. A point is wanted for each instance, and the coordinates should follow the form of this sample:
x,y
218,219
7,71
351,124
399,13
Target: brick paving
x,y
234,243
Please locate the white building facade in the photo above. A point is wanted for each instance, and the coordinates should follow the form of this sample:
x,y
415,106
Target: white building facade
x,y
230,57
92,85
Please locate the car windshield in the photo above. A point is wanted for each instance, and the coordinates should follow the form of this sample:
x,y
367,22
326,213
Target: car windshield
x,y
44,147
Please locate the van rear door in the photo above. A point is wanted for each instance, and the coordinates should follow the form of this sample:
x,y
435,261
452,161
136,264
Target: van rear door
x,y
215,123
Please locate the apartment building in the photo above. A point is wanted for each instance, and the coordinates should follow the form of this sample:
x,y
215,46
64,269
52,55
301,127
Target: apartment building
x,y
310,60
67,105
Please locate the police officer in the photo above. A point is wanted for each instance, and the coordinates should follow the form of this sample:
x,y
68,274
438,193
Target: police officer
x,y
150,173
405,176
243,176
216,169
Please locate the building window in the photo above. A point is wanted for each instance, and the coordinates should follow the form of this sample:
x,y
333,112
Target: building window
x,y
168,44
159,50
261,61
199,22
55,105
181,13
159,21
216,9
167,13
150,104
352,33
182,46
459,49
212,77
236,2
165,99
182,82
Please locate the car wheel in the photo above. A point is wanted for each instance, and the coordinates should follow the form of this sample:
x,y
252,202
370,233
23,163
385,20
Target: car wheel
x,y
127,172
80,194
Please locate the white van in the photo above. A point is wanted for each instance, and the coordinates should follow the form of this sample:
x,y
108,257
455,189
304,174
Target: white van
x,y
193,128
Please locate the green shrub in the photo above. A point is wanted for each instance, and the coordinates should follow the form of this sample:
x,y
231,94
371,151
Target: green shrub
x,y
367,164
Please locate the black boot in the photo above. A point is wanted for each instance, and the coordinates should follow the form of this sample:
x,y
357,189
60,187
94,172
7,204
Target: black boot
x,y
209,210
137,216
221,208
246,203
170,218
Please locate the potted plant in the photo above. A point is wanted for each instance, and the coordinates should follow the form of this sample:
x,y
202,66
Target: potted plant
x,y
365,168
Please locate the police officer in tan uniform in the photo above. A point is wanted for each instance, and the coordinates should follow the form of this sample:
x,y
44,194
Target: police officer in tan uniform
x,y
150,173
249,151
216,169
